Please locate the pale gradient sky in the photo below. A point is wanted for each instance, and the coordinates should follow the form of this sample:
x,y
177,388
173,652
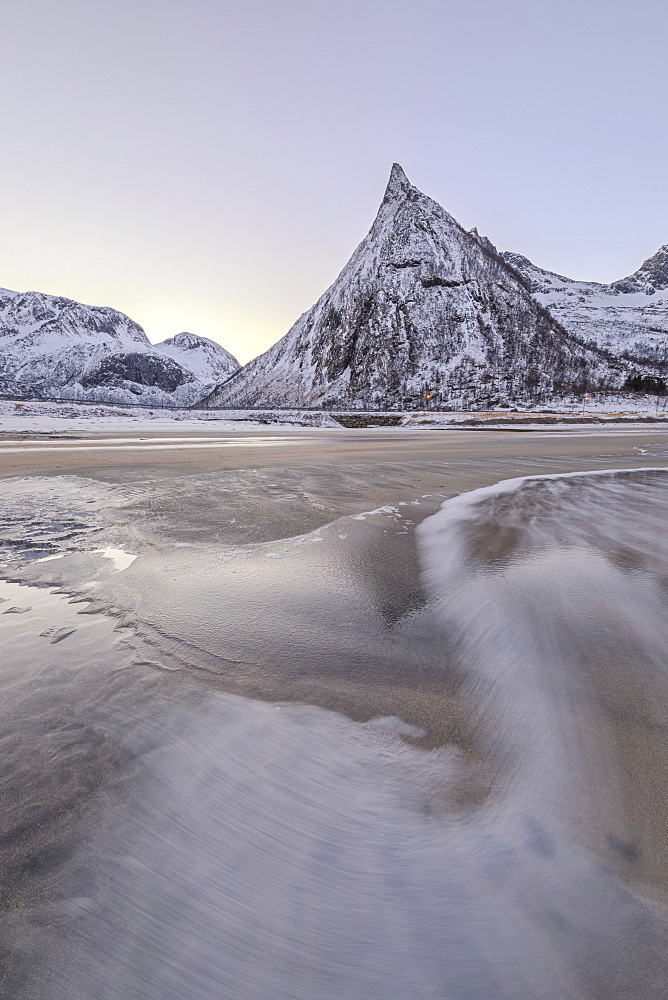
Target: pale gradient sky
x,y
210,165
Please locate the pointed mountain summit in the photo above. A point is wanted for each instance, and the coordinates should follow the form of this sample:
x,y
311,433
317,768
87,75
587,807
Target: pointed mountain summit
x,y
398,184
421,308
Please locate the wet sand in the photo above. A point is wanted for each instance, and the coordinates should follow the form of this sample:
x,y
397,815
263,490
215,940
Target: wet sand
x,y
271,766
269,448
265,619
336,472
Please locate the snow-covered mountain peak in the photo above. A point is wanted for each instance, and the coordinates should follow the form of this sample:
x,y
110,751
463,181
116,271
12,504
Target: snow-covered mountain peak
x,y
413,235
30,320
651,276
423,309
51,346
398,185
187,341
402,207
627,317
402,196
208,359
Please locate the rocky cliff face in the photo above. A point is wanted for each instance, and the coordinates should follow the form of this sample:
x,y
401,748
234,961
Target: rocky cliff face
x,y
422,308
55,347
628,317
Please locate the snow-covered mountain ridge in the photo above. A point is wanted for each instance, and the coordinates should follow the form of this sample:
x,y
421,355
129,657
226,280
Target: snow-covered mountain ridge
x,y
422,309
628,317
52,346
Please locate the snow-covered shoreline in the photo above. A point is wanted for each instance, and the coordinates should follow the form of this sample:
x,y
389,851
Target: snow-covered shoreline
x,y
58,418
49,418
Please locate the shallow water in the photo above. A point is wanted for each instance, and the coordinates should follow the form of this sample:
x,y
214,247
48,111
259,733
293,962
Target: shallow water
x,y
176,840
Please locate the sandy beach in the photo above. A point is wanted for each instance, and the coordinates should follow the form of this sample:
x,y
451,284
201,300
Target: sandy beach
x,y
258,744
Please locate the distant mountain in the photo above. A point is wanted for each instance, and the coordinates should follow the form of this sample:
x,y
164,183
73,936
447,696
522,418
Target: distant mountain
x,y
627,317
205,358
422,308
55,347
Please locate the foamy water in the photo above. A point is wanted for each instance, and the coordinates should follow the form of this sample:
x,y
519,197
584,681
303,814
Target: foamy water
x,y
554,592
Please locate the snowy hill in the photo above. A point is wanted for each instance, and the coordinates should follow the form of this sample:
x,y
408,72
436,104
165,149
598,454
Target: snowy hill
x,y
422,307
55,347
628,317
205,358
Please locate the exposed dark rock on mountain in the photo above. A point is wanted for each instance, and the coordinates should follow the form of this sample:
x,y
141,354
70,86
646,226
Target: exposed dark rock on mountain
x,y
422,308
140,369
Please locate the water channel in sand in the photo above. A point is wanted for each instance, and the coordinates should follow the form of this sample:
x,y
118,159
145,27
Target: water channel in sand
x,y
354,762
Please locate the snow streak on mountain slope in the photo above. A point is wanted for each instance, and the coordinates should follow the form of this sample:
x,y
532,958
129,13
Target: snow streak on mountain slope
x,y
628,317
55,347
422,307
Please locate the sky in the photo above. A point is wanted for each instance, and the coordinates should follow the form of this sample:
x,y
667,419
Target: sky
x,y
211,165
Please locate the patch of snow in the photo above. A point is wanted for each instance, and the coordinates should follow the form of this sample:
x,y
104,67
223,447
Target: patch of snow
x,y
120,559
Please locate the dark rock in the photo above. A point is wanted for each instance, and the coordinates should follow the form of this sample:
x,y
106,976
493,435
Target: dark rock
x,y
143,369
